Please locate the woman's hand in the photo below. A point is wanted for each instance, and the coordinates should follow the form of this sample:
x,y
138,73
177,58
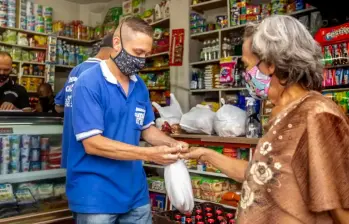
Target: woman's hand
x,y
194,153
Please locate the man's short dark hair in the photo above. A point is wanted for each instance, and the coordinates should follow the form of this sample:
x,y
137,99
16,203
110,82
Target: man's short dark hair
x,y
4,53
107,41
139,25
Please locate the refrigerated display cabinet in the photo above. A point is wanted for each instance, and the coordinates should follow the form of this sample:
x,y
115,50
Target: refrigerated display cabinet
x,y
32,184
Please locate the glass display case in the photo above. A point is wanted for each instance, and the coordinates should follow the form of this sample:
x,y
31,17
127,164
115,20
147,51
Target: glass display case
x,y
32,183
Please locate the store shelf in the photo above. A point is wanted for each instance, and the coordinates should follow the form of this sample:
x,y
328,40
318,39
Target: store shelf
x,y
153,166
52,216
218,90
24,31
217,139
204,63
155,69
156,191
224,205
76,40
23,46
301,12
158,54
337,66
163,23
27,128
336,88
205,35
207,173
208,5
29,62
32,176
156,88
33,76
65,66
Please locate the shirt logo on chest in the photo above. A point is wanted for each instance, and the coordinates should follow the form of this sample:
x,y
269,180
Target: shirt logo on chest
x,y
139,114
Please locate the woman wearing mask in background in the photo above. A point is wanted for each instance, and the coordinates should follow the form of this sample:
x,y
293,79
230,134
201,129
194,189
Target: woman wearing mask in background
x,y
299,171
46,99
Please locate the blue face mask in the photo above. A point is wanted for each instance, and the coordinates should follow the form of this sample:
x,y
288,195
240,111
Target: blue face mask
x,y
128,64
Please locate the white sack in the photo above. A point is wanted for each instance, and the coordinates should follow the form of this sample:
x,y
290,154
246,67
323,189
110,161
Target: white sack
x,y
230,121
178,186
172,114
198,120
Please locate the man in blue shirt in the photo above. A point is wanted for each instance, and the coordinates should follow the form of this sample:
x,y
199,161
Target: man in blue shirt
x,y
63,100
106,182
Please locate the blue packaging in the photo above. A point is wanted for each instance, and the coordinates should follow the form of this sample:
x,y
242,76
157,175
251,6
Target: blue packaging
x,y
339,76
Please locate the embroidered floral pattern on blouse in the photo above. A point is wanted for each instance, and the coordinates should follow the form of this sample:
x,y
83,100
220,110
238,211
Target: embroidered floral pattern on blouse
x,y
247,196
261,173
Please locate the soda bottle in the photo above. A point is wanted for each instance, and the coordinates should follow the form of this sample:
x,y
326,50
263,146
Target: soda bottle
x,y
229,216
188,221
177,218
199,218
211,221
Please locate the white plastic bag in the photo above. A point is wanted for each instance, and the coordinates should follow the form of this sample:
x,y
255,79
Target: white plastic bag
x,y
230,121
172,114
178,186
198,120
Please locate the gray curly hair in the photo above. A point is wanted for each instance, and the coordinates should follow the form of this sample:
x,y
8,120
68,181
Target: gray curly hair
x,y
286,43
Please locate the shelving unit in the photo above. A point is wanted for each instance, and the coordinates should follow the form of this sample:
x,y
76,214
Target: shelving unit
x,y
198,95
22,46
163,23
32,176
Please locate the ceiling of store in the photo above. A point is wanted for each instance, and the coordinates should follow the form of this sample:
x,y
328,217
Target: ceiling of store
x,y
88,1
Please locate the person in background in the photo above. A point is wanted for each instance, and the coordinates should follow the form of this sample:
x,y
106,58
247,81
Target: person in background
x,y
106,182
299,171
12,95
46,99
63,99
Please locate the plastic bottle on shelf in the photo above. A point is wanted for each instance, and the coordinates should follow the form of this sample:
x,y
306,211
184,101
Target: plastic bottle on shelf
x,y
60,56
217,48
229,47
225,48
72,56
66,55
203,52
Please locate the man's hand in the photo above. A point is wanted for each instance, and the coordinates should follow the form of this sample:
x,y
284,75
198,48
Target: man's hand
x,y
7,106
183,146
163,155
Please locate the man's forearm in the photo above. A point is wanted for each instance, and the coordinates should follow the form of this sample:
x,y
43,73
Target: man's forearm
x,y
233,168
155,137
105,147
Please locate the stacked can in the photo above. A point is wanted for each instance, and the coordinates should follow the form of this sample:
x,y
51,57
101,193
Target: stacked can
x,y
11,13
48,17
39,19
35,163
30,16
3,13
15,153
5,154
23,14
45,147
25,151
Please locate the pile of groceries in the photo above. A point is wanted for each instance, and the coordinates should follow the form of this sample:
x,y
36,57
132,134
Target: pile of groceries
x,y
25,153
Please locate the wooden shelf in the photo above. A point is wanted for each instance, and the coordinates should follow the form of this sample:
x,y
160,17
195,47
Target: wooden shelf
x,y
205,35
154,69
224,205
24,31
158,54
156,88
217,139
76,40
163,23
29,62
64,66
337,66
32,176
218,90
208,5
204,63
23,46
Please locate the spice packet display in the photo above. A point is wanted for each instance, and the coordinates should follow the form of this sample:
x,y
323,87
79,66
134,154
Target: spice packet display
x,y
211,77
156,183
24,197
6,195
340,98
335,77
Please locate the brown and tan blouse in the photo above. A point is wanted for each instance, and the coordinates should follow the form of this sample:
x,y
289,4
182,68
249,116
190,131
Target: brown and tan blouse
x,y
300,169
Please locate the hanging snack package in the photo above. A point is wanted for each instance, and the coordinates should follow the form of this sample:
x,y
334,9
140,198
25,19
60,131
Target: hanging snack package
x,y
228,65
178,186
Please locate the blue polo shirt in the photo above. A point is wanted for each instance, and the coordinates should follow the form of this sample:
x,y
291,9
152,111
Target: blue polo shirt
x,y
100,106
64,98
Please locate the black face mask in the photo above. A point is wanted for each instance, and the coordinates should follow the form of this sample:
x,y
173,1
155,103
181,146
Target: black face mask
x,y
3,78
127,63
45,103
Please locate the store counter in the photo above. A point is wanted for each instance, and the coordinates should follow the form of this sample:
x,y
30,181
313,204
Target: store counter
x,y
32,183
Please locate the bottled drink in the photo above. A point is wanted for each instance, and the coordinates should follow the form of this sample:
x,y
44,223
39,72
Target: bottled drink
x,y
188,221
208,50
203,52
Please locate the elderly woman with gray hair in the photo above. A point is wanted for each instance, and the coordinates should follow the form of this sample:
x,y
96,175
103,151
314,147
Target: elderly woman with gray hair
x,y
300,170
